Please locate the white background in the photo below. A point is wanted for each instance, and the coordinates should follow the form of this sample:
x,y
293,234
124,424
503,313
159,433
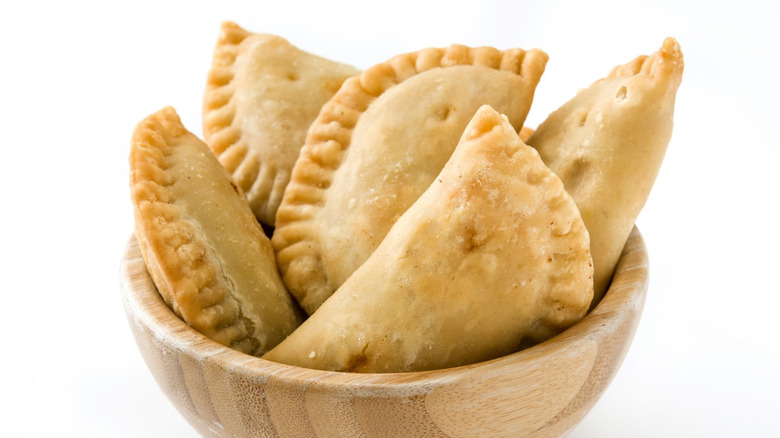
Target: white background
x,y
75,77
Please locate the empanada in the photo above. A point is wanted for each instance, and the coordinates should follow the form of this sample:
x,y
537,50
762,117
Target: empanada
x,y
205,251
262,94
492,257
377,145
607,143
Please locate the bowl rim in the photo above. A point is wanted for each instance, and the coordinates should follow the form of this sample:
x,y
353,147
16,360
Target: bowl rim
x,y
144,306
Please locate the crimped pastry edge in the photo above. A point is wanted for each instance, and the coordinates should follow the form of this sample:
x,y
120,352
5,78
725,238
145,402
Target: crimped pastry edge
x,y
168,240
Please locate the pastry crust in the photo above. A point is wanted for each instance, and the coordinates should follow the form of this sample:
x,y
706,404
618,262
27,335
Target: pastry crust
x,y
205,250
525,133
377,145
261,96
607,144
492,257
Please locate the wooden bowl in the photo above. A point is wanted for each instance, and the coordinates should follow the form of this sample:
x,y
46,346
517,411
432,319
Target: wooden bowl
x,y
542,391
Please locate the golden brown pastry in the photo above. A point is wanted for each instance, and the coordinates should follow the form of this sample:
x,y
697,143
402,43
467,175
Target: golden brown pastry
x,y
262,94
377,145
203,246
607,144
525,133
493,256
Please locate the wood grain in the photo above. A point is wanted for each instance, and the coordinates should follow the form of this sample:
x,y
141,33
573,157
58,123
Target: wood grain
x,y
543,391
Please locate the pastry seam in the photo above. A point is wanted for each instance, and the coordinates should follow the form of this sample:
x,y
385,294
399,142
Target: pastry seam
x,y
168,234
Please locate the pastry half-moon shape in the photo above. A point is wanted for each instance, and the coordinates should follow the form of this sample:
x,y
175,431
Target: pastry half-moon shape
x,y
607,143
261,96
205,251
377,145
492,257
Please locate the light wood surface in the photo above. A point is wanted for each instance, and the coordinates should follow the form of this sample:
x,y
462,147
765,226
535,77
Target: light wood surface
x,y
543,391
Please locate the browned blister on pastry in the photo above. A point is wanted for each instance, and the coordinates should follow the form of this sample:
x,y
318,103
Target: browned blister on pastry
x,y
607,144
377,145
262,94
492,257
205,250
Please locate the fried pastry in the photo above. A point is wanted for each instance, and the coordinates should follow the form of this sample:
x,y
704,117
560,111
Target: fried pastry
x,y
377,145
525,133
205,251
262,94
607,144
493,256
